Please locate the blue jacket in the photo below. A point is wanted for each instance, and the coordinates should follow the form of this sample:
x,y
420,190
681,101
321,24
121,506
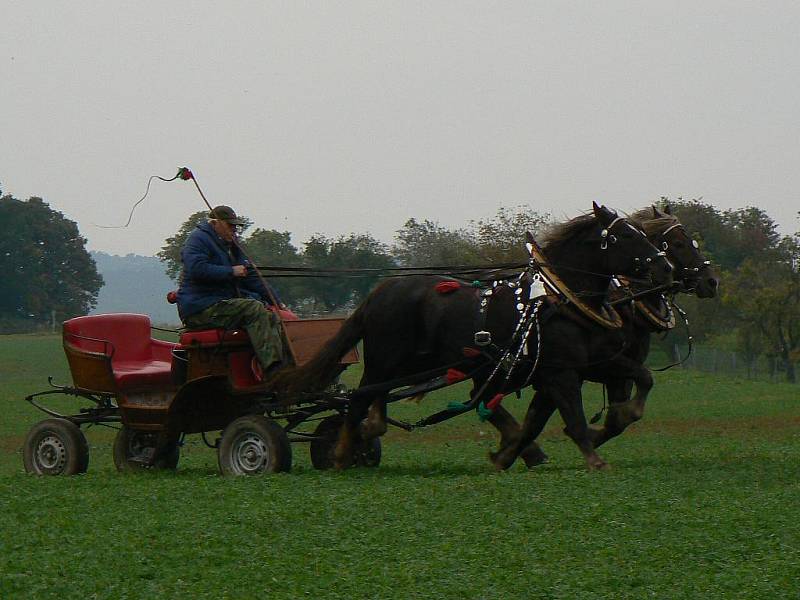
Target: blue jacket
x,y
207,276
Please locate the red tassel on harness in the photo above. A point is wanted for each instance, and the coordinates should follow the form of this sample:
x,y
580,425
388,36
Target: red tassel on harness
x,y
447,287
470,352
454,376
494,402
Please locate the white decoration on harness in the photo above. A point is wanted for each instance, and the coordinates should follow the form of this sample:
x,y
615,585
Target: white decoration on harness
x,y
537,288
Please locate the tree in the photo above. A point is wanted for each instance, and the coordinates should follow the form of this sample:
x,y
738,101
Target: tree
x,y
502,238
344,252
45,264
766,297
170,253
729,237
759,304
271,248
426,244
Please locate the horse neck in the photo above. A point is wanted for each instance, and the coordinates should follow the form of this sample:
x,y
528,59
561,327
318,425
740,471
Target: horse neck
x,y
582,272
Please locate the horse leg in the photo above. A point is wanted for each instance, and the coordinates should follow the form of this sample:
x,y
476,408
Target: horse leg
x,y
343,454
510,431
374,425
566,391
539,412
624,410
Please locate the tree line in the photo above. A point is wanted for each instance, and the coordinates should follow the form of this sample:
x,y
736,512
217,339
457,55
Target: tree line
x,y
46,267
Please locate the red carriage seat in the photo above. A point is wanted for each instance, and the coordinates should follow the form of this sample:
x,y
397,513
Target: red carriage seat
x,y
119,343
234,337
214,337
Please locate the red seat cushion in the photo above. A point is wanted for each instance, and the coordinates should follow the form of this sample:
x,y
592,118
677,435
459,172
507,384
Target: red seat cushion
x,y
213,337
142,374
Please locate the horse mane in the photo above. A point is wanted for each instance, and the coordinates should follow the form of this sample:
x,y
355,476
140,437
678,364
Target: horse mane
x,y
561,233
653,225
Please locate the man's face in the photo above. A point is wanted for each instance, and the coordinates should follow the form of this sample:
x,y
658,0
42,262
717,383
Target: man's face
x,y
225,230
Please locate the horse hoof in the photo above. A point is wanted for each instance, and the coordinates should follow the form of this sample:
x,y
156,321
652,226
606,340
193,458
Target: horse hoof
x,y
342,465
500,464
341,462
534,459
598,465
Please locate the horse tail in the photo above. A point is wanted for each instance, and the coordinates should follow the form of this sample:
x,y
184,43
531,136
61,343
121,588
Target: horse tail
x,y
321,371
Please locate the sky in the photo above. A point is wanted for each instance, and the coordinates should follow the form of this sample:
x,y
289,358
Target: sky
x,y
338,117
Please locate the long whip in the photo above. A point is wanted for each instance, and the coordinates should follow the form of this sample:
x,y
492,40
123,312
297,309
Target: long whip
x,y
186,174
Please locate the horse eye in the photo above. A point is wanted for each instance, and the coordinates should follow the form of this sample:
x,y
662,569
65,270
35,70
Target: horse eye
x,y
612,239
664,245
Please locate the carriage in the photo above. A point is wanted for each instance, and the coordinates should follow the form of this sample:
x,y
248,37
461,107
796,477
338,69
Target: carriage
x,y
156,392
490,331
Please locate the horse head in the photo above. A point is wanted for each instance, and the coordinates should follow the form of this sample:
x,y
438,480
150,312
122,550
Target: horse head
x,y
693,271
627,251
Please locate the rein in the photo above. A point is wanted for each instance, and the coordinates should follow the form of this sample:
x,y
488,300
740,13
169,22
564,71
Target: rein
x,y
689,339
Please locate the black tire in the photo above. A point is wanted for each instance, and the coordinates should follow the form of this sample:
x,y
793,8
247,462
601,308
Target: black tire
x,y
254,445
326,435
132,450
55,447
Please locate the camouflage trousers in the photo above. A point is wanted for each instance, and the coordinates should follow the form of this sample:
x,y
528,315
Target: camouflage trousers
x,y
248,314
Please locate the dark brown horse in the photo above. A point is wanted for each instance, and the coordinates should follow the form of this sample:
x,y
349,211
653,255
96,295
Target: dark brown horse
x,y
409,327
650,314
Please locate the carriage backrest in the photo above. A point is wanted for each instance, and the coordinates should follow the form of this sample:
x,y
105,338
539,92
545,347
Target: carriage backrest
x,y
122,336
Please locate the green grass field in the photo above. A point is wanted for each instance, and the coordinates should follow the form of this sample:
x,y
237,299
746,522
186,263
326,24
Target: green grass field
x,y
702,501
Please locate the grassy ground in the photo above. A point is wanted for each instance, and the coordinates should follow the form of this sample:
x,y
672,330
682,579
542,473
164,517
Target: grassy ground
x,y
702,501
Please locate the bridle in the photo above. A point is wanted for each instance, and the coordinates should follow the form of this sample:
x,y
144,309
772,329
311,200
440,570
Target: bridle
x,y
639,265
687,274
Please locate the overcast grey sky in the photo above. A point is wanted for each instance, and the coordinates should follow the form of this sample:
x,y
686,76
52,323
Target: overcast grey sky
x,y
334,117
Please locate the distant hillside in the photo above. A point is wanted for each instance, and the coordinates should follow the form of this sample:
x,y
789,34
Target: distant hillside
x,y
135,284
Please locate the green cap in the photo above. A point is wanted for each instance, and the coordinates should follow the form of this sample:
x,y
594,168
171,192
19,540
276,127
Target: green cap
x,y
225,213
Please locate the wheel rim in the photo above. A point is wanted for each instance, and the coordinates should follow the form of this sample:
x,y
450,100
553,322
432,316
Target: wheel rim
x,y
249,454
140,445
51,454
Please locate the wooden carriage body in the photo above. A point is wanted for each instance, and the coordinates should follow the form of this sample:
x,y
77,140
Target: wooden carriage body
x,y
200,383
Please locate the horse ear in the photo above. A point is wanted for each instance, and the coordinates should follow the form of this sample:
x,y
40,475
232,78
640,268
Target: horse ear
x,y
656,214
603,214
667,209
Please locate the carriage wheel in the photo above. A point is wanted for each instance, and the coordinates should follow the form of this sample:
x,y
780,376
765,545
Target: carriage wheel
x,y
253,445
55,447
322,447
133,450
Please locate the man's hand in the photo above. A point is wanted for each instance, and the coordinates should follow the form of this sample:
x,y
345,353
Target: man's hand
x,y
239,271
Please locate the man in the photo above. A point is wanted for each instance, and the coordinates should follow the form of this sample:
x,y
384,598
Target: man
x,y
220,288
